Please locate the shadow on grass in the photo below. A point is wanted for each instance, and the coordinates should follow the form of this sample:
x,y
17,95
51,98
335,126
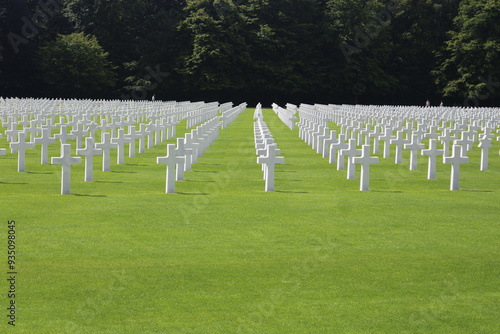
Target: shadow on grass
x,y
46,173
286,171
199,181
205,171
193,194
85,195
478,191
141,165
108,181
288,180
204,163
122,172
291,192
386,191
18,183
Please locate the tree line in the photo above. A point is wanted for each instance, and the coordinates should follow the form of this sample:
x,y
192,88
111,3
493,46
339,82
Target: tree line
x,y
326,51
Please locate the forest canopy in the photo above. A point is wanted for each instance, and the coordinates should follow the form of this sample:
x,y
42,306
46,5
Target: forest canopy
x,y
335,51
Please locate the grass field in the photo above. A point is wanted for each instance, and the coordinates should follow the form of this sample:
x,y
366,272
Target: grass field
x,y
223,256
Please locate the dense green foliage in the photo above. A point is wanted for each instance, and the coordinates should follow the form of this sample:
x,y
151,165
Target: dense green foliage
x,y
366,51
76,65
223,256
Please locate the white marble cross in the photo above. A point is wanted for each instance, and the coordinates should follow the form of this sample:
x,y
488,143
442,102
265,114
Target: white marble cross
x,y
144,133
365,160
399,141
63,136
78,133
446,138
351,151
171,160
332,139
484,144
456,159
89,151
132,135
66,160
45,140
414,147
432,152
386,138
270,160
121,140
20,147
335,148
106,145
184,152
190,143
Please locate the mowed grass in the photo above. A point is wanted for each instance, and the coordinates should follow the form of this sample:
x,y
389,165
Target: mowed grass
x,y
223,256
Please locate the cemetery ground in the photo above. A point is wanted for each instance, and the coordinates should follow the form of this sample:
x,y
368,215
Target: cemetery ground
x,y
119,255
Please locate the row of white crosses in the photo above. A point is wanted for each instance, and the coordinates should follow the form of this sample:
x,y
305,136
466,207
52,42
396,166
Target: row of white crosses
x,y
372,124
180,157
39,118
229,115
287,116
266,149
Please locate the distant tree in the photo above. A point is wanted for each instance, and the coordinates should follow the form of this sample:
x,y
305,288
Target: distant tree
x,y
469,63
362,47
215,55
76,65
418,29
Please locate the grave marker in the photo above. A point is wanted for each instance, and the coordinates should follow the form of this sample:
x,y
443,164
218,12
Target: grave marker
x,y
484,144
106,145
414,147
432,152
270,160
20,147
66,160
365,160
89,151
171,160
351,151
456,159
45,140
399,141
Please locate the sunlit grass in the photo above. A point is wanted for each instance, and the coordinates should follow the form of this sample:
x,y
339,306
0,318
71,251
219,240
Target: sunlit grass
x,y
223,256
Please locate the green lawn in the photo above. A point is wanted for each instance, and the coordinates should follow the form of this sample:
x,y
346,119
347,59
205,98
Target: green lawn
x,y
223,256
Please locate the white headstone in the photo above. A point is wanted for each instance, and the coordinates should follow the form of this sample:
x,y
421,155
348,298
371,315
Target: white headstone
x,y
457,158
484,144
432,152
270,160
120,140
89,151
365,160
181,151
66,160
45,140
351,151
414,147
20,147
335,149
106,145
399,141
171,160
